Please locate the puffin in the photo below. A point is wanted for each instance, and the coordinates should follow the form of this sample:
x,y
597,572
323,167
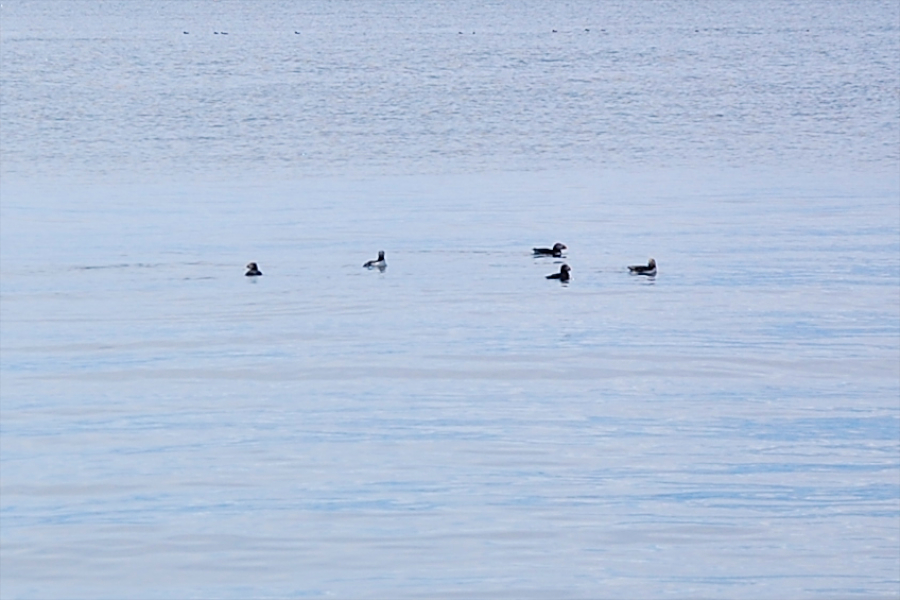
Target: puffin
x,y
649,269
252,270
563,274
555,251
378,263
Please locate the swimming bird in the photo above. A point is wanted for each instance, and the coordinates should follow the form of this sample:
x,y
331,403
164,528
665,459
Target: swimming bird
x,y
379,263
556,250
563,274
649,269
252,270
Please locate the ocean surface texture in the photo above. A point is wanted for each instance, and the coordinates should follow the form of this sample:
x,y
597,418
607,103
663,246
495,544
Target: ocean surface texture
x,y
456,426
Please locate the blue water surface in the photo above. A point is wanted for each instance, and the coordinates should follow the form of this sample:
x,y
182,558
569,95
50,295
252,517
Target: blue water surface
x,y
457,425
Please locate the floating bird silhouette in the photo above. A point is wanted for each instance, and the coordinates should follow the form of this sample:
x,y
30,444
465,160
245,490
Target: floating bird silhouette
x,y
556,250
252,270
563,274
649,269
378,263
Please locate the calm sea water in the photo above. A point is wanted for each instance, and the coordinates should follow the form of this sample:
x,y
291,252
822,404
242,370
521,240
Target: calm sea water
x,y
456,426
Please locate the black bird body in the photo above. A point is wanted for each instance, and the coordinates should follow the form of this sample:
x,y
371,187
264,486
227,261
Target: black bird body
x,y
649,269
378,263
555,251
563,274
